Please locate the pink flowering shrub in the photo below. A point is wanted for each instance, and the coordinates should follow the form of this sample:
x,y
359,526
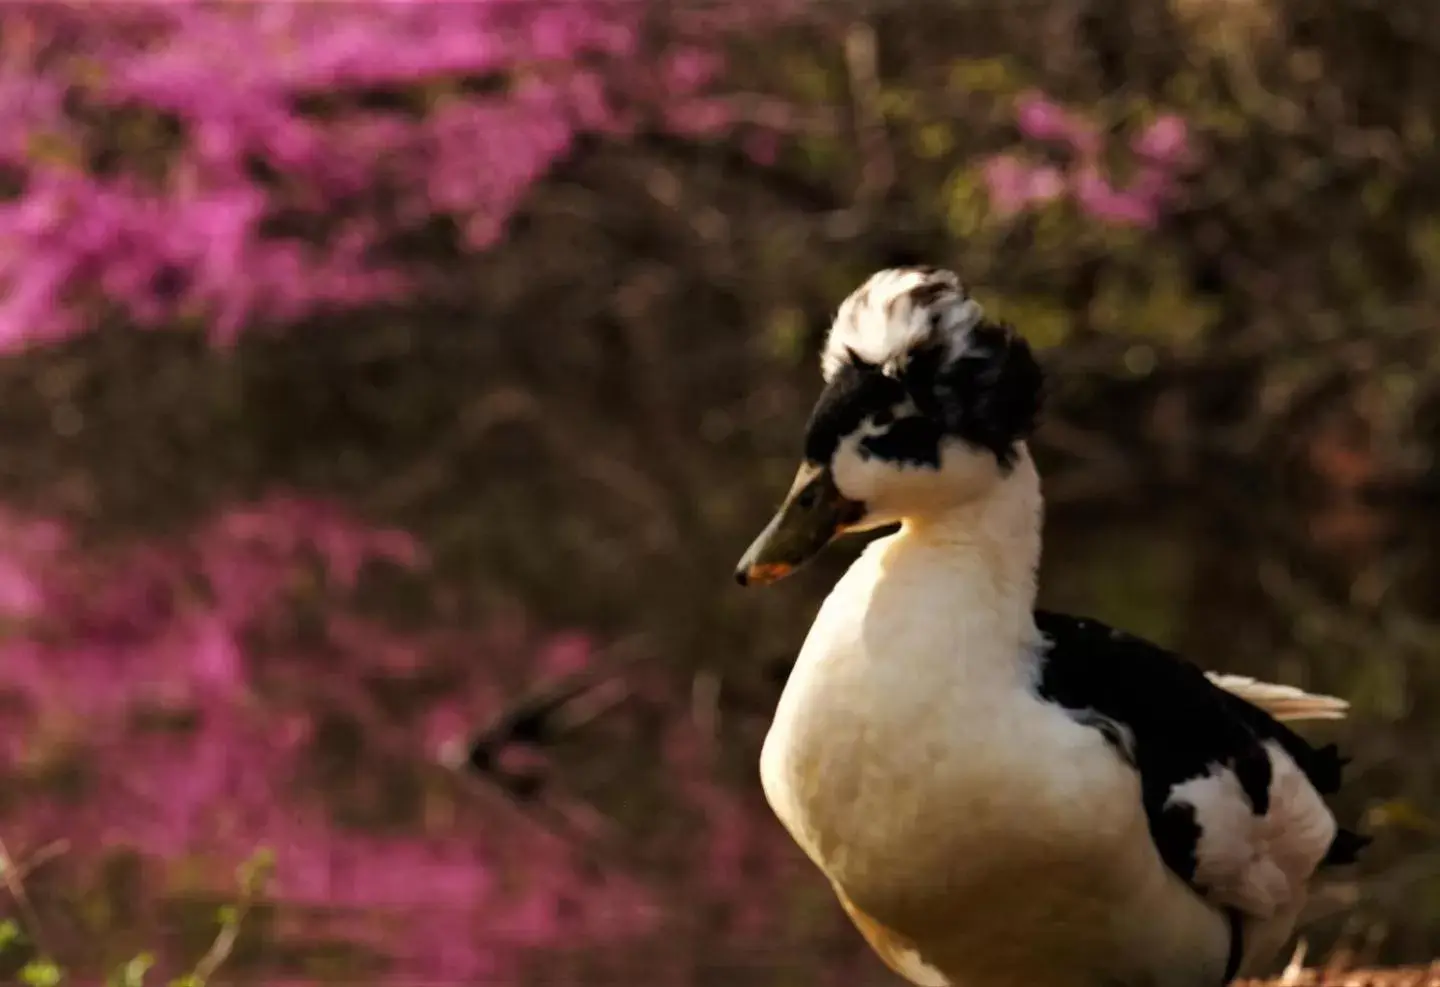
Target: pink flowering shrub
x,y
244,166
183,688
1161,152
239,165
97,645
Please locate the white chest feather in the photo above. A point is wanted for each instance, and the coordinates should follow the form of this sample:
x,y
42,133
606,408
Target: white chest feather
x,y
974,832
913,762
910,743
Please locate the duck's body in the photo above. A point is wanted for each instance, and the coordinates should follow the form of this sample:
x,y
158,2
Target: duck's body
x,y
967,824
1004,797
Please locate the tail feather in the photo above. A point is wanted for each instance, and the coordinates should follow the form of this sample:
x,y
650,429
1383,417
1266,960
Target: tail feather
x,y
1322,765
1284,702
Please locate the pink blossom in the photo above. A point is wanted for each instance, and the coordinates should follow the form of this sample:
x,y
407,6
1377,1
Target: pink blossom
x,y
1047,183
1166,141
566,654
1163,148
1040,118
457,899
1121,207
1006,179
187,233
217,657
1014,184
188,626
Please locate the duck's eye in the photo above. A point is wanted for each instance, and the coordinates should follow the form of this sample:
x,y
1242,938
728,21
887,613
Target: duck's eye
x,y
806,498
883,417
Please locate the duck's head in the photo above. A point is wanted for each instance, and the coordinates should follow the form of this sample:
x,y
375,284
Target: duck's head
x,y
926,406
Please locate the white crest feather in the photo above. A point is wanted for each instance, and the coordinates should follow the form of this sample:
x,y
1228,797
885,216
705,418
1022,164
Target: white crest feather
x,y
882,320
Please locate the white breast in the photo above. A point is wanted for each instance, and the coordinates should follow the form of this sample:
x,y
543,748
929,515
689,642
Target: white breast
x,y
912,761
909,729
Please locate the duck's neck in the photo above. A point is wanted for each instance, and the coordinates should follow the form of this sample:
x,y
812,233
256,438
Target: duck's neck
x,y
983,557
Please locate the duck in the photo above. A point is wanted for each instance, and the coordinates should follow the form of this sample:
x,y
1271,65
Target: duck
x,y
999,794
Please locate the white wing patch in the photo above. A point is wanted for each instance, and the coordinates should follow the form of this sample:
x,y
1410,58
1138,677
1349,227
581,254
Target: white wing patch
x,y
880,322
1258,864
1284,702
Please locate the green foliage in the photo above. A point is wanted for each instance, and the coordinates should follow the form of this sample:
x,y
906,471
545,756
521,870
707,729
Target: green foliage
x,y
9,934
993,76
41,973
132,972
254,875
252,878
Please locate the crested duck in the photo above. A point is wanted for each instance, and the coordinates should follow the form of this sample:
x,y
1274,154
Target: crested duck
x,y
1001,795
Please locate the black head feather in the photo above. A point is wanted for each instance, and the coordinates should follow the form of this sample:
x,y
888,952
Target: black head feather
x,y
989,396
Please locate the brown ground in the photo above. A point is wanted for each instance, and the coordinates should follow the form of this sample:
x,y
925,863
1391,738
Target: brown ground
x,y
1405,976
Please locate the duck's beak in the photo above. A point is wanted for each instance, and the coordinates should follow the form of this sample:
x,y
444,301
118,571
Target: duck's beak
x,y
814,512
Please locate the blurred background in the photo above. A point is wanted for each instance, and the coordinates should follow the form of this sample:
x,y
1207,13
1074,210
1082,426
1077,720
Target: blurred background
x,y
382,377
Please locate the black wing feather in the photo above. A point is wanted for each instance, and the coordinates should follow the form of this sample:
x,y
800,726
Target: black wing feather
x,y
1182,725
